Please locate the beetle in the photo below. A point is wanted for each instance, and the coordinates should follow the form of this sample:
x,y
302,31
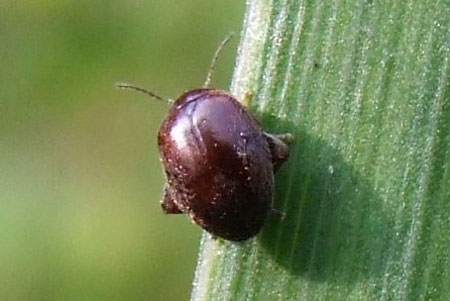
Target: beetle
x,y
218,162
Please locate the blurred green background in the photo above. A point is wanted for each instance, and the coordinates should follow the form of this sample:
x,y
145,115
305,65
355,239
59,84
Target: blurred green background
x,y
80,178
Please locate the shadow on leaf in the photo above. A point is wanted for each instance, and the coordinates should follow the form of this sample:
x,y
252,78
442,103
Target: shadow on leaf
x,y
335,228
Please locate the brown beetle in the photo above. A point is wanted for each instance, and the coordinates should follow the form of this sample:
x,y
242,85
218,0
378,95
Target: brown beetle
x,y
219,163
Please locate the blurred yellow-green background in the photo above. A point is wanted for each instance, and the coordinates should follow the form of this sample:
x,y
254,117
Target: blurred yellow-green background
x,y
80,178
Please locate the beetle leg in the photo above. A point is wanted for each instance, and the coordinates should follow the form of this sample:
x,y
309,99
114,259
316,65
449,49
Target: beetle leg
x,y
278,148
168,205
286,138
248,97
280,214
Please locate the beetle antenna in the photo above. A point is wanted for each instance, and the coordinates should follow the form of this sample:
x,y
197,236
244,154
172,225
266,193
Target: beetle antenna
x,y
215,57
142,90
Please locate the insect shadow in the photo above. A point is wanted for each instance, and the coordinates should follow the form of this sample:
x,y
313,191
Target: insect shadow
x,y
334,226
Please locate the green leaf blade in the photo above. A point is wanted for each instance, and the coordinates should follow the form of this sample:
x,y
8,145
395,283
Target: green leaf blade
x,y
364,88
